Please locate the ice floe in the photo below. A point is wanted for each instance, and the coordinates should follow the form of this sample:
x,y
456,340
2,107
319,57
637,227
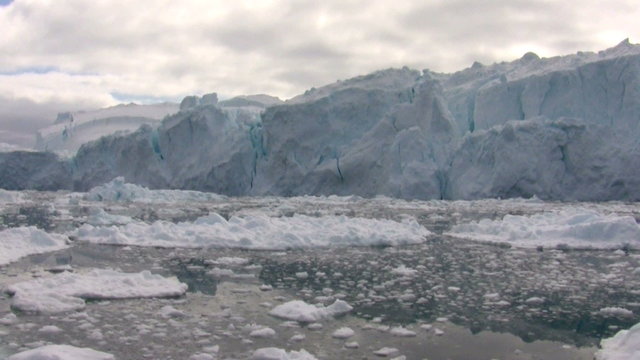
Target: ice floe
x,y
259,232
68,291
61,352
22,241
625,345
7,196
118,190
299,310
570,227
273,353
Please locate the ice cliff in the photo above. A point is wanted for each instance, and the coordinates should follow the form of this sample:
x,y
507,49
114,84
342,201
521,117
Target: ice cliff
x,y
562,128
71,130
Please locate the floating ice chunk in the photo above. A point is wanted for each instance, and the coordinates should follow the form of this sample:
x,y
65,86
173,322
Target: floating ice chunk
x,y
404,271
49,329
202,356
259,232
273,353
615,312
230,261
118,190
169,311
12,197
534,301
386,351
402,332
264,332
572,227
352,345
301,311
23,241
9,319
61,352
67,291
624,345
99,217
343,333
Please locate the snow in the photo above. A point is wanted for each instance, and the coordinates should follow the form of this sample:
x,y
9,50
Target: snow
x,y
573,227
625,345
61,352
23,241
71,130
68,291
273,353
259,232
298,310
118,190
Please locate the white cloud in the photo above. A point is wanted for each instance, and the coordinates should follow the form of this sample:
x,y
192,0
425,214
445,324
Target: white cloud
x,y
168,49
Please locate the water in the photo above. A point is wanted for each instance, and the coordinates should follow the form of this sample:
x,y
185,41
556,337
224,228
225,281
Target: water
x,y
484,291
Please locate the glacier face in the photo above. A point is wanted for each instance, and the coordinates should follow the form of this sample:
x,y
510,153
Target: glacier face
x,y
358,138
560,128
71,130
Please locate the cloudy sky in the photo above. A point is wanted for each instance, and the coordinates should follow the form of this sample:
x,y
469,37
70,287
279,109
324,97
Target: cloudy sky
x,y
59,55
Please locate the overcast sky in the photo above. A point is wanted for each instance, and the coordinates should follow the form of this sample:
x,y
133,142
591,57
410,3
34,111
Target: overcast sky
x,y
58,55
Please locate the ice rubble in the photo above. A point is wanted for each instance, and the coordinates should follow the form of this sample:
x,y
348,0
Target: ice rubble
x,y
298,310
259,232
118,190
61,352
574,227
22,241
560,128
68,291
625,345
11,196
273,353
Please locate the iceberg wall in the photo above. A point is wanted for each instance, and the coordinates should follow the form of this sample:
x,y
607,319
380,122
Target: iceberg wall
x,y
564,128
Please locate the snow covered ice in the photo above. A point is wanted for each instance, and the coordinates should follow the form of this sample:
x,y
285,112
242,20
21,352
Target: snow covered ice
x,y
259,232
68,291
23,241
300,311
624,345
61,352
575,228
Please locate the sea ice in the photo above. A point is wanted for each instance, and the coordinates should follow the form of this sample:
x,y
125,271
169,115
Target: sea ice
x,y
625,345
68,291
259,232
61,352
573,227
118,190
23,241
343,333
273,353
298,310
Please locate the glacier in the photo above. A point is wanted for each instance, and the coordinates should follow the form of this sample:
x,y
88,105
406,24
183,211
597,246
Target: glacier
x,y
71,130
560,128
